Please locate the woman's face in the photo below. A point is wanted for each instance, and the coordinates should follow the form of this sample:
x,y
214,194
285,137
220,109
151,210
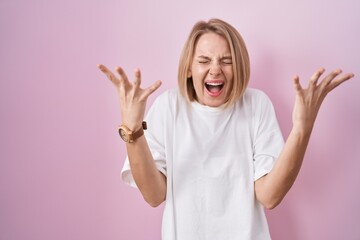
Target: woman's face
x,y
212,70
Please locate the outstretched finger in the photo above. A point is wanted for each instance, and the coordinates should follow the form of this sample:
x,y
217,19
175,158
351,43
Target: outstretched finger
x,y
336,82
315,77
137,81
109,74
297,84
153,88
331,76
123,77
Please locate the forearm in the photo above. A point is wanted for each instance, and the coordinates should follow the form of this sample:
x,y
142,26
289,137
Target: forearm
x,y
272,188
150,181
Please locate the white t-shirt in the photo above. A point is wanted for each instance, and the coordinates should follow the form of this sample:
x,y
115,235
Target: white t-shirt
x,y
211,157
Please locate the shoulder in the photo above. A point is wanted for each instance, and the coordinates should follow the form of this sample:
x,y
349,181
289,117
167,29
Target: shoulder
x,y
167,101
254,99
171,98
164,109
255,95
168,96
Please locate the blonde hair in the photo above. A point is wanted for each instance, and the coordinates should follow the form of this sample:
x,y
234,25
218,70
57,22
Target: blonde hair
x,y
239,54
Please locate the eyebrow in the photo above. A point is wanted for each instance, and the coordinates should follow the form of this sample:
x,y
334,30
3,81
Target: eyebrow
x,y
202,56
206,57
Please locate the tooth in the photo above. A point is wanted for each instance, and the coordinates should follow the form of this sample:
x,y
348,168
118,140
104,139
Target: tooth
x,y
214,84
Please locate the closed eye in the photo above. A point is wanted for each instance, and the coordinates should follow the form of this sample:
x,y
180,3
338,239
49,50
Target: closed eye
x,y
203,61
207,60
226,60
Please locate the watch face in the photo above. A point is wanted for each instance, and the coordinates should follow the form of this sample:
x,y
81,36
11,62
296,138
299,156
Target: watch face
x,y
123,135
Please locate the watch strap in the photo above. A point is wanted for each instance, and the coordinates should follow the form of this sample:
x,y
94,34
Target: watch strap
x,y
139,132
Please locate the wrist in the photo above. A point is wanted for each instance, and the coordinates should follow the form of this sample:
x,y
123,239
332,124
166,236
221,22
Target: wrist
x,y
133,124
131,135
302,129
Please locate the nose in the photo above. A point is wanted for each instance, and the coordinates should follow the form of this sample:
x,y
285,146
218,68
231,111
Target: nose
x,y
215,69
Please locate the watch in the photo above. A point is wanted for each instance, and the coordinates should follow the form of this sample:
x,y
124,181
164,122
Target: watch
x,y
130,136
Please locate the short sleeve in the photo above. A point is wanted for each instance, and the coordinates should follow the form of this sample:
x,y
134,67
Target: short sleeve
x,y
268,140
155,136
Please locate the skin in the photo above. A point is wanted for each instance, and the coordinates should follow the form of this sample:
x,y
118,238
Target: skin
x,y
269,189
272,188
212,64
132,98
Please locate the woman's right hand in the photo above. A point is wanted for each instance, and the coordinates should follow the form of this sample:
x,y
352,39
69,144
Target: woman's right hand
x,y
132,98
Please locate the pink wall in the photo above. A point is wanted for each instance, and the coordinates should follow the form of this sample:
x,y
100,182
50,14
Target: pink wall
x,y
60,155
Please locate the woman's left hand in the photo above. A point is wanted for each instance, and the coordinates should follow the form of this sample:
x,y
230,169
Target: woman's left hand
x,y
272,188
308,100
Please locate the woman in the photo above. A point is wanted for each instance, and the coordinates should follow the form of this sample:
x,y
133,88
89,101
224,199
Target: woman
x,y
213,148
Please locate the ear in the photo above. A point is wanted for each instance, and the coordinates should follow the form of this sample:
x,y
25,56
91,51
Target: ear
x,y
189,74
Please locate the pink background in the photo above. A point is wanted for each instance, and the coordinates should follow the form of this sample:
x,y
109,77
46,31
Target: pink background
x,y
60,154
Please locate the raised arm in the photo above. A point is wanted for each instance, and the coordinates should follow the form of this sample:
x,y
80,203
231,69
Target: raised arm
x,y
272,188
150,181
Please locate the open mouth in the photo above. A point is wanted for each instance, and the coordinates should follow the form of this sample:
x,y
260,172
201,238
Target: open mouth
x,y
214,88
